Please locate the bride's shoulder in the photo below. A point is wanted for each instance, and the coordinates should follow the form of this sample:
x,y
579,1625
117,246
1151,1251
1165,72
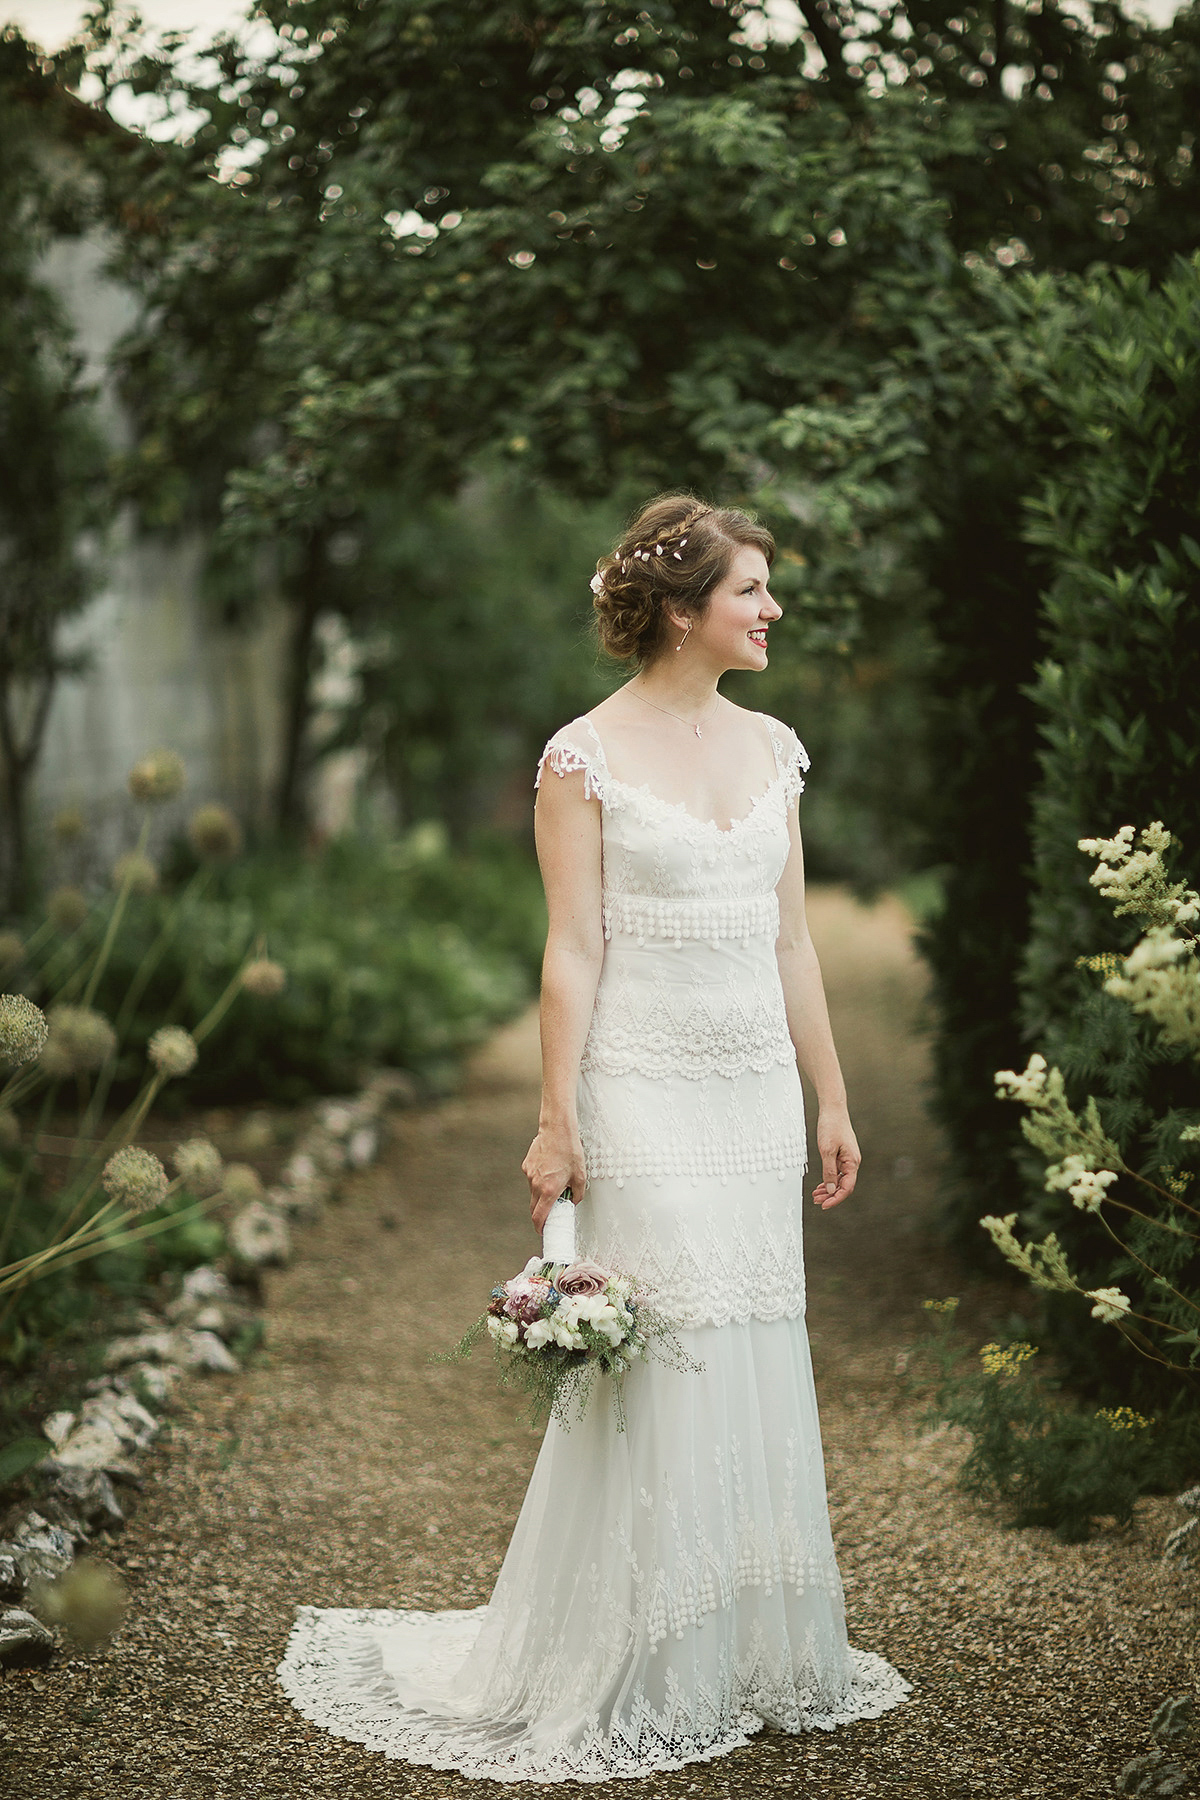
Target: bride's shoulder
x,y
574,747
790,755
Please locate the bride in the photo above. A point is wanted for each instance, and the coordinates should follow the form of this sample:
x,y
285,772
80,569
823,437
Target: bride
x,y
670,1589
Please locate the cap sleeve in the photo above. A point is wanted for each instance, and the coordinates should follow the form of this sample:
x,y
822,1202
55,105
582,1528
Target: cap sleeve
x,y
573,748
791,758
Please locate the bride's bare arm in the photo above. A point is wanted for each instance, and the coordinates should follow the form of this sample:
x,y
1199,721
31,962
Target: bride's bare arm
x,y
567,830
808,1023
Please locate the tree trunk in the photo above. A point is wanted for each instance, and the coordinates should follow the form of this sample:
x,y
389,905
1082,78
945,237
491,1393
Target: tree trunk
x,y
19,760
829,43
291,807
1000,34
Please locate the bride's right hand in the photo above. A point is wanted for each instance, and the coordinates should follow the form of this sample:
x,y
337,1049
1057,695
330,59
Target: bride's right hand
x,y
554,1163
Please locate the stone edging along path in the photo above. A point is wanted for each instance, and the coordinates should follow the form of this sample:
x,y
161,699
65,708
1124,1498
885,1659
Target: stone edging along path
x,y
98,1449
342,1468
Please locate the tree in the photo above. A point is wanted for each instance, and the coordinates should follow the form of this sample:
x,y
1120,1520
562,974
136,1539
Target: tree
x,y
51,459
778,276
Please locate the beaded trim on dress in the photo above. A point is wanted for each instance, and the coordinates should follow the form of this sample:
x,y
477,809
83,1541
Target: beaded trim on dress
x,y
643,916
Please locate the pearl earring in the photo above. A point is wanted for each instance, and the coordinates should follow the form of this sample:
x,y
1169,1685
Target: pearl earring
x,y
683,639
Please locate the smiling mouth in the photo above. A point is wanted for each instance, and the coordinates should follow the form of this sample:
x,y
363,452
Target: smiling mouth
x,y
759,637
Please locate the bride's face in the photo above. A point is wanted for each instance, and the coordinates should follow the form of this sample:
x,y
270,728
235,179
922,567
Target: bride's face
x,y
733,630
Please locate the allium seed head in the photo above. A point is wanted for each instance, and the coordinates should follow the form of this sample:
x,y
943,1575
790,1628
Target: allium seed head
x,y
264,978
79,1039
159,776
137,870
69,824
199,1164
88,1600
172,1050
66,909
214,833
242,1183
22,1029
11,950
135,1179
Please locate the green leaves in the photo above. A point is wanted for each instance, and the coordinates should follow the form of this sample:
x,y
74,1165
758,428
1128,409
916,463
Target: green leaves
x,y
20,1455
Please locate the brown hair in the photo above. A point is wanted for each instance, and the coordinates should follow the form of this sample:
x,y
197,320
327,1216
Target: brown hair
x,y
674,553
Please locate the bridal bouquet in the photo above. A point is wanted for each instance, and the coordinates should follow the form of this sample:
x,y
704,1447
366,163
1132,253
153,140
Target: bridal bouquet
x,y
560,1324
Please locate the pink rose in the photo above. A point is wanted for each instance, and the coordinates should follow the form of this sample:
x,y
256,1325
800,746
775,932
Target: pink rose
x,y
527,1296
581,1280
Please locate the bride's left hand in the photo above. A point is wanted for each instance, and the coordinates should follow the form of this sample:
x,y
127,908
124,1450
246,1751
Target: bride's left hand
x,y
840,1157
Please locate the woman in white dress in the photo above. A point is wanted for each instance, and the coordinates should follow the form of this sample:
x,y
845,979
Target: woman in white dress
x,y
670,1589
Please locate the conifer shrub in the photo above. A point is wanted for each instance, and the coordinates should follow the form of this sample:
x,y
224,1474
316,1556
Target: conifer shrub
x,y
1044,1458
1118,692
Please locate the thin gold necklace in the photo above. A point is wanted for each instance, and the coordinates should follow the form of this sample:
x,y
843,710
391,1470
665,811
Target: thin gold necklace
x,y
694,723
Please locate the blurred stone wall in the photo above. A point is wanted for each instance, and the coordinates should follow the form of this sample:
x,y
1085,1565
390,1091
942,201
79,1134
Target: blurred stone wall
x,y
162,670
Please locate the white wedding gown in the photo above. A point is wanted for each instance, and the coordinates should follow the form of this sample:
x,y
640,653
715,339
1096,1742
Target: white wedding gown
x,y
670,1589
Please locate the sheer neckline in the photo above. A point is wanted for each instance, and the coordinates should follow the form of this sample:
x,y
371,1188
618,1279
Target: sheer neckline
x,y
678,807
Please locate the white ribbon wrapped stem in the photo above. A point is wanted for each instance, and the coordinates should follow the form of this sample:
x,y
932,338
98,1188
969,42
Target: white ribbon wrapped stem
x,y
558,1233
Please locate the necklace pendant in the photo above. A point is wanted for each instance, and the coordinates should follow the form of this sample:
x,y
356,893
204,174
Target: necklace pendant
x,y
697,730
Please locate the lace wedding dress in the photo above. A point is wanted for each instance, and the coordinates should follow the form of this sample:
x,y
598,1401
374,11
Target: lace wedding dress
x,y
670,1589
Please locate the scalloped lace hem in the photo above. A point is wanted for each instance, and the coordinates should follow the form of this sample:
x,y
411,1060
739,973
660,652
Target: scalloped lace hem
x,y
332,1672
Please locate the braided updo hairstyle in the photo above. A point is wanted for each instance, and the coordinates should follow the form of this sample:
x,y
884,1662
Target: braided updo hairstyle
x,y
674,553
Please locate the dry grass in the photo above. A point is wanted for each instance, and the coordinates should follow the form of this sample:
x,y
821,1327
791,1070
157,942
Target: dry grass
x,y
344,1470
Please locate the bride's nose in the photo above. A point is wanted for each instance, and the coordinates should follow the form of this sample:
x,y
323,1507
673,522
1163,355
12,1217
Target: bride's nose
x,y
771,608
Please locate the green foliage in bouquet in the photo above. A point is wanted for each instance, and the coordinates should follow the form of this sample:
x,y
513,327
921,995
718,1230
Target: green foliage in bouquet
x,y
556,1328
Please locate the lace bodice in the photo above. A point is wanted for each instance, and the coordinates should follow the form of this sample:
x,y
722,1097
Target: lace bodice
x,y
668,874
689,1071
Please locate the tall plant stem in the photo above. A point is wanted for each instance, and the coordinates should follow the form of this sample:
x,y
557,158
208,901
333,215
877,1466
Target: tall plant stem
x,y
18,1193
134,992
145,969
221,1005
1150,1270
117,914
90,1228
36,939
81,1252
1149,1219
74,945
1171,1199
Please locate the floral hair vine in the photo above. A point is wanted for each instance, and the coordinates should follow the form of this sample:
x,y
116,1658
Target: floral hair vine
x,y
647,552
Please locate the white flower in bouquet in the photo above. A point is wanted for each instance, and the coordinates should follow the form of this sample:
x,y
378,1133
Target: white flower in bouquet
x,y
595,1316
565,1332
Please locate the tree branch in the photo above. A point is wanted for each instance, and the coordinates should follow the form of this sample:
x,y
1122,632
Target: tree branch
x,y
829,43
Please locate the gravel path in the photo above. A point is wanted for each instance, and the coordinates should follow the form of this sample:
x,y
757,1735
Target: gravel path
x,y
344,1470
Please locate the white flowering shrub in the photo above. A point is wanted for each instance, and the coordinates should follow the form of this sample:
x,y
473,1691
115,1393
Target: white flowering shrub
x,y
1142,1208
